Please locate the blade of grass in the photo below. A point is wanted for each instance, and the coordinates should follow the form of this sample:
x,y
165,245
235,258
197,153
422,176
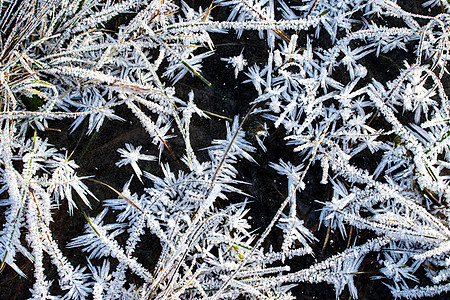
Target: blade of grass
x,y
118,193
229,147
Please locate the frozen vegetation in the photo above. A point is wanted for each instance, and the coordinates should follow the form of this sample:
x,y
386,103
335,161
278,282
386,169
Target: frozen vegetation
x,y
78,62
